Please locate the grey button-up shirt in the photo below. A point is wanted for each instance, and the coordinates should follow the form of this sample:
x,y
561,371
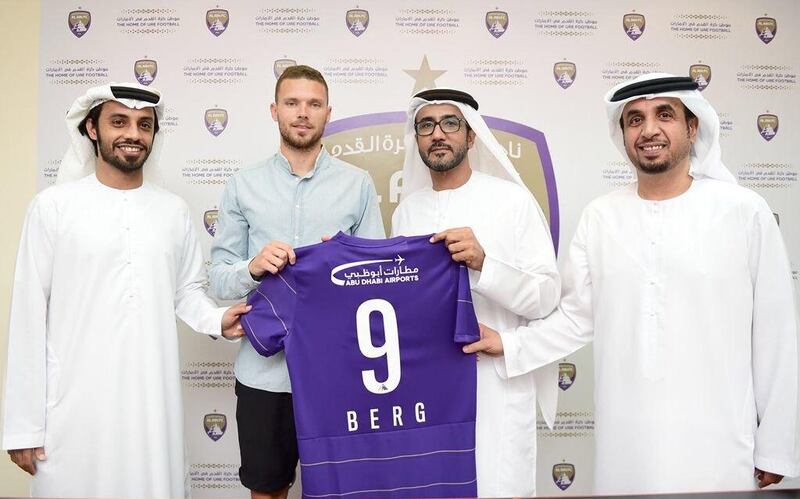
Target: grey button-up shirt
x,y
268,202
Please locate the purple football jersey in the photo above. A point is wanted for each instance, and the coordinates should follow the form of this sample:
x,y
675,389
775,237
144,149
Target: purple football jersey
x,y
384,398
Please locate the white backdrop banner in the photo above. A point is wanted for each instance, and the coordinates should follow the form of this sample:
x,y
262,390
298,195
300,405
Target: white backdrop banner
x,y
538,69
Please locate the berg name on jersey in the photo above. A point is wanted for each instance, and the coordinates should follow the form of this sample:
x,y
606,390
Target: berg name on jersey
x,y
396,420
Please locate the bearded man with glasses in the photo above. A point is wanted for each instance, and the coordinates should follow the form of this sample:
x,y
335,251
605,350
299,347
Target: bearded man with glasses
x,y
459,183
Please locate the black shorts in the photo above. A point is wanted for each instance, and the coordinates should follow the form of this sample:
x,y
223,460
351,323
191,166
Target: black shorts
x,y
267,438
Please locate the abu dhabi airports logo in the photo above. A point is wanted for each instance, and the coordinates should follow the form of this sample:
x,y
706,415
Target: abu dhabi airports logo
x,y
563,475
768,126
217,21
79,22
215,425
216,121
357,21
766,28
210,221
633,24
372,272
280,65
565,73
145,71
497,23
566,375
701,74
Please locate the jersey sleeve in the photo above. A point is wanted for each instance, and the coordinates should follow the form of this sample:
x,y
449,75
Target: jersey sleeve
x,y
466,323
270,320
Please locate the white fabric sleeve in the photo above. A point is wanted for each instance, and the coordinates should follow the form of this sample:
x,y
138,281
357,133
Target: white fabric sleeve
x,y
192,304
775,350
529,285
568,328
25,413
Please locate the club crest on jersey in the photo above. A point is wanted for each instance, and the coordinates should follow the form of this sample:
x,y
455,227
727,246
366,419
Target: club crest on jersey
x,y
210,221
497,22
701,74
766,28
216,121
357,21
563,475
217,21
768,126
565,73
566,375
634,25
374,272
145,71
280,65
79,22
215,425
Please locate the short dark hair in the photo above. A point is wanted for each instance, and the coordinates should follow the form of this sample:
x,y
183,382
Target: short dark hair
x,y
94,115
300,72
687,114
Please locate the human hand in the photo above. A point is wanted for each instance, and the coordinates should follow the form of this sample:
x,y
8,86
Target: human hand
x,y
490,342
325,239
272,258
231,321
26,458
463,246
766,478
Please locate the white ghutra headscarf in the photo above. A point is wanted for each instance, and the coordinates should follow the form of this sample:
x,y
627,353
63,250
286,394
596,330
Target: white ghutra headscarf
x,y
80,159
706,155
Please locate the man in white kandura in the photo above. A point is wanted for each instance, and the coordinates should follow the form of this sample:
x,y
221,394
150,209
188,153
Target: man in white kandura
x,y
459,183
106,261
683,282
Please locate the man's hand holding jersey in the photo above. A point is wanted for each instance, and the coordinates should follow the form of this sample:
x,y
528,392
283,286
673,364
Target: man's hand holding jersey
x,y
463,246
272,259
231,321
490,342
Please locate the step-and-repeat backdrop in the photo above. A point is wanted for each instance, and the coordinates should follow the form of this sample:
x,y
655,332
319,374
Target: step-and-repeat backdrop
x,y
538,69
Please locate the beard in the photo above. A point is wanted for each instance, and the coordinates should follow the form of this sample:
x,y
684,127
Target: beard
x,y
655,167
122,164
306,143
441,165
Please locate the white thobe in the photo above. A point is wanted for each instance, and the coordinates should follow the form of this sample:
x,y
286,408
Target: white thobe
x,y
519,281
690,305
93,367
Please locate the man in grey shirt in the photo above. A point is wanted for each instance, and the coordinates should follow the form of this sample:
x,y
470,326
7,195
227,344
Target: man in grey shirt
x,y
291,199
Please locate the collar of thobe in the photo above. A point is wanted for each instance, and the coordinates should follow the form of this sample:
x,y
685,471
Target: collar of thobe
x,y
80,160
706,155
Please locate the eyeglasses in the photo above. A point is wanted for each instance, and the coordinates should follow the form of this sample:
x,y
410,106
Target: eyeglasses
x,y
449,124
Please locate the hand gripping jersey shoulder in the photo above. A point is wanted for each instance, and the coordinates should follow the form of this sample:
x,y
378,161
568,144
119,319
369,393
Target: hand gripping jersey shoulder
x,y
384,399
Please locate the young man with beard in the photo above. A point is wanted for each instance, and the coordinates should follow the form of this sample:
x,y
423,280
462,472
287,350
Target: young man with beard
x,y
292,199
459,183
105,263
682,281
